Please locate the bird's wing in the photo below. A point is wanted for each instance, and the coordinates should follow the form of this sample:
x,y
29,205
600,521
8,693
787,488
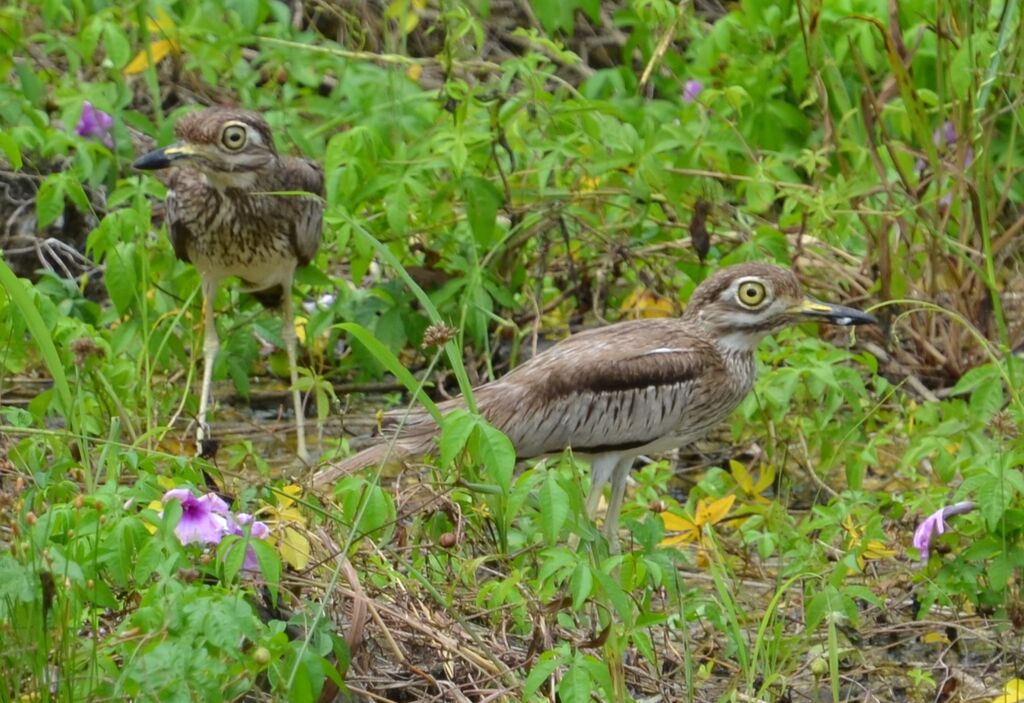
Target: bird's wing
x,y
612,388
307,224
184,186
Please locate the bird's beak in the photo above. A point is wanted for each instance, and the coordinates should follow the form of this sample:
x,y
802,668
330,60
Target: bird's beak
x,y
162,158
836,314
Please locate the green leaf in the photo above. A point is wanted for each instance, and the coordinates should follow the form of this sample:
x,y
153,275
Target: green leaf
x,y
482,202
455,431
18,584
366,508
554,507
9,145
760,195
821,605
576,685
29,312
118,48
581,584
389,361
496,452
545,666
50,199
120,279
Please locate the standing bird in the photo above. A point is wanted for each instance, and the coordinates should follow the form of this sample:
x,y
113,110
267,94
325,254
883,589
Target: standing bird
x,y
631,388
237,208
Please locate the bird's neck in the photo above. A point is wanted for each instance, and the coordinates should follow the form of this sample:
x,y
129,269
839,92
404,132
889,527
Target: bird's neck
x,y
738,341
230,180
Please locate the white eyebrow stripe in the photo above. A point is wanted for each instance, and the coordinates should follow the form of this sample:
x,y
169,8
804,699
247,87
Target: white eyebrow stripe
x,y
663,350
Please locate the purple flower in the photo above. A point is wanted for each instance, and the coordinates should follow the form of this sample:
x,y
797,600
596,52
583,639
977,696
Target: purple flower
x,y
935,524
95,124
944,135
205,519
692,90
258,530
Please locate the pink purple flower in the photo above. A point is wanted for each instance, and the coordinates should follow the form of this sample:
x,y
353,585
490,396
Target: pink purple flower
x,y
257,530
692,90
95,124
935,524
208,519
203,519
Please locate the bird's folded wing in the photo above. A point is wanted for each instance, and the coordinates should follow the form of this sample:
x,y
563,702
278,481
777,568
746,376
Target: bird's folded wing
x,y
307,176
604,393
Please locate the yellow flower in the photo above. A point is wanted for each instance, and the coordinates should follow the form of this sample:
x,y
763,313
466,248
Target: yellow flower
x,y
161,26
751,487
709,512
642,303
1013,692
287,527
872,550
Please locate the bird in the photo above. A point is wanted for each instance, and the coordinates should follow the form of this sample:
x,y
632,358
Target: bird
x,y
235,207
635,387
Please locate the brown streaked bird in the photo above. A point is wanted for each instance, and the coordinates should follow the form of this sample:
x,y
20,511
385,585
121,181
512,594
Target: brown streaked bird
x,y
237,208
631,388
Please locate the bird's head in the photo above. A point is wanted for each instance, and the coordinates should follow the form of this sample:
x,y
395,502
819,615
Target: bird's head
x,y
742,304
227,145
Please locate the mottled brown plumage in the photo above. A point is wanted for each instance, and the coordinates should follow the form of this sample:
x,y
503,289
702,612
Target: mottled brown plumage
x,y
237,208
631,388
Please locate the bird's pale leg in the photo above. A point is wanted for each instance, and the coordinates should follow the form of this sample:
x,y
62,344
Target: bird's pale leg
x,y
211,345
290,343
601,467
611,518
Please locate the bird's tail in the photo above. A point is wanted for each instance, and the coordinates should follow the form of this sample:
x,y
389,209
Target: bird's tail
x,y
386,453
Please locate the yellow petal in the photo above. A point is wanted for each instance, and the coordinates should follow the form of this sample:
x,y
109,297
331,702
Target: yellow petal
x,y
165,482
287,495
162,23
686,529
159,49
710,513
156,506
876,549
1014,692
414,72
935,637
643,303
766,479
852,530
294,548
743,478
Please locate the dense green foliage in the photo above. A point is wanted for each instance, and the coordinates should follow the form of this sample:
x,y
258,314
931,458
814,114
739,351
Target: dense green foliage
x,y
510,194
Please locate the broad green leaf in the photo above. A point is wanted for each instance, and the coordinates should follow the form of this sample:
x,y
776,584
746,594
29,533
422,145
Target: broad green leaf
x,y
576,686
10,148
554,506
50,199
120,279
496,452
116,42
482,203
581,584
455,431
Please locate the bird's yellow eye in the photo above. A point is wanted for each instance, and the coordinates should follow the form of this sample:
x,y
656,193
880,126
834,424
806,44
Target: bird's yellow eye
x,y
233,137
751,293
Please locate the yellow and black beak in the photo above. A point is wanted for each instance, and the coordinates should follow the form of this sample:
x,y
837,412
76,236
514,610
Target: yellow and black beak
x,y
162,158
834,314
